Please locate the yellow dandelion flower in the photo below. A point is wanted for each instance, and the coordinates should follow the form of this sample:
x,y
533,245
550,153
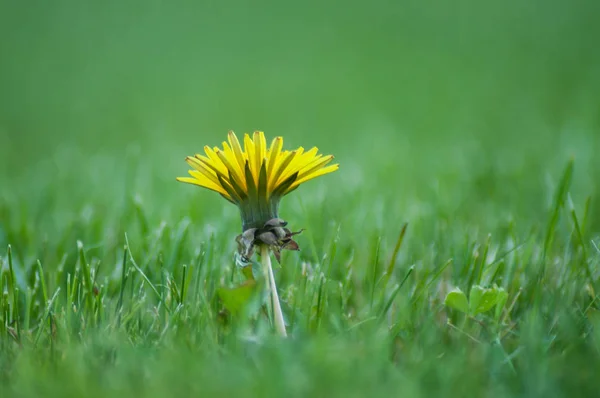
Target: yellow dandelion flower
x,y
256,177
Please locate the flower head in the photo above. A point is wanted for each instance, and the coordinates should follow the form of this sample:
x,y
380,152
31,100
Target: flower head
x,y
256,177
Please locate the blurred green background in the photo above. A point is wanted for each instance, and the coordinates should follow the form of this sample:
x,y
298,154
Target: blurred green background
x,y
113,73
420,102
456,117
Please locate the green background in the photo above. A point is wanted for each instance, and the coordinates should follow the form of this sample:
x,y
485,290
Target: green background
x,y
403,93
456,117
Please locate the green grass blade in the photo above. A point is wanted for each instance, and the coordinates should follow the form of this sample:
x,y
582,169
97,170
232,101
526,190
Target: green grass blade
x,y
390,268
559,200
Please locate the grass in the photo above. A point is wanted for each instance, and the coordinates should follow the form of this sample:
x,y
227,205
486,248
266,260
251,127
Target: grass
x,y
455,253
139,312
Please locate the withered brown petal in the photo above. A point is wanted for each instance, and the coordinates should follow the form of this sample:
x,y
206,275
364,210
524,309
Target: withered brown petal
x,y
268,237
291,245
277,254
248,234
289,233
246,243
279,232
276,222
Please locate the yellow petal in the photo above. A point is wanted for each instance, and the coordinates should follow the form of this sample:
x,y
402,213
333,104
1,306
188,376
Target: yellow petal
x,y
281,162
206,182
215,162
314,166
308,164
249,154
307,158
323,171
201,181
260,151
282,168
278,161
202,168
237,150
209,165
222,169
274,152
229,162
291,168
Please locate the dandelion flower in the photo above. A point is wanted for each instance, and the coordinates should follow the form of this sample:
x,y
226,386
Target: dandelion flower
x,y
255,179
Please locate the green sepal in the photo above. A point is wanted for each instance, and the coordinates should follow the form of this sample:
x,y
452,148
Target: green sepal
x,y
291,190
280,190
250,183
236,198
229,200
257,208
262,190
236,187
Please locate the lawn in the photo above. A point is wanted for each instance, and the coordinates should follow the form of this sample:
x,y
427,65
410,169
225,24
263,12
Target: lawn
x,y
455,253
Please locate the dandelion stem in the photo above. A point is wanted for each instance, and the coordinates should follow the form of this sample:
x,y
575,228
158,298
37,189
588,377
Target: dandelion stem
x,y
265,256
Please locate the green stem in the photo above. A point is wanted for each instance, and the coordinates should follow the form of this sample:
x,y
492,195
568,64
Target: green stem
x,y
265,256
